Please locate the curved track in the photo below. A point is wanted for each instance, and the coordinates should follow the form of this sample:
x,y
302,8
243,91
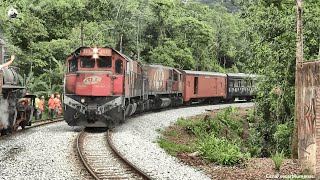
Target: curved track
x,y
101,158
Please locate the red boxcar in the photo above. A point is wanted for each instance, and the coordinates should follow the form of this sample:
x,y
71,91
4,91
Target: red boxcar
x,y
204,86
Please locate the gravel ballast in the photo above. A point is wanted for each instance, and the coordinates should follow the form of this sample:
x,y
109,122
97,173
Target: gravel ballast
x,y
44,152
136,140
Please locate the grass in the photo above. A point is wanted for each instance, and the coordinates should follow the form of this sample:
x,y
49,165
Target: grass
x,y
278,159
172,148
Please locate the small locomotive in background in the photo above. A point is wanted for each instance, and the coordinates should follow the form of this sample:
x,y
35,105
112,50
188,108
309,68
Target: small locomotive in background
x,y
104,86
14,111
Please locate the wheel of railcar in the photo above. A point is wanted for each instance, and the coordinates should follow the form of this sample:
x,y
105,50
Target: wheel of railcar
x,y
4,132
23,124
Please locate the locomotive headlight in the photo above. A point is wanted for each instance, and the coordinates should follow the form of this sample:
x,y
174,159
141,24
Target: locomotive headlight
x,y
95,50
95,56
95,53
83,100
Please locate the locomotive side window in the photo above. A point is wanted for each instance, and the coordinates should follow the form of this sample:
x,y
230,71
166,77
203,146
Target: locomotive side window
x,y
73,65
119,66
105,62
87,62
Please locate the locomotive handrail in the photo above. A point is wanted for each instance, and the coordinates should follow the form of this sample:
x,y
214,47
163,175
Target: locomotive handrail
x,y
7,63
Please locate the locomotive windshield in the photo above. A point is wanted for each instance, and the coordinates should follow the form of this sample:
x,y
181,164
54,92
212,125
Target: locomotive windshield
x,y
105,62
86,62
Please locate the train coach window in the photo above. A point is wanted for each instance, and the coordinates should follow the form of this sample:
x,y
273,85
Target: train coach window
x,y
105,62
119,66
87,62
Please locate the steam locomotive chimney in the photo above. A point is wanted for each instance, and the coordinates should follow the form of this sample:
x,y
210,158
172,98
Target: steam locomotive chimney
x,y
2,45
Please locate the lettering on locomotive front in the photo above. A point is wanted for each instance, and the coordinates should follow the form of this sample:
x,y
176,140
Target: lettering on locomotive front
x,y
92,80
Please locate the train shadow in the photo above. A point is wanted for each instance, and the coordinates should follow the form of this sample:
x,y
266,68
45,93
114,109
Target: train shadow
x,y
96,129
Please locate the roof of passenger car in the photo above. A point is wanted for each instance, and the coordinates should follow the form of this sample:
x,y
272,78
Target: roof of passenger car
x,y
206,73
242,75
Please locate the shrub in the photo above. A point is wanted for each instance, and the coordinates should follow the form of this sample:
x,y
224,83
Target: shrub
x,y
220,151
282,136
278,159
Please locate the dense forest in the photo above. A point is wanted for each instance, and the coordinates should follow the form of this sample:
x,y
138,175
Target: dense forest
x,y
253,36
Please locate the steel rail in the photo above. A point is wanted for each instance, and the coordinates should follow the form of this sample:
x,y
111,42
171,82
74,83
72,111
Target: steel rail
x,y
39,123
82,158
126,161
118,155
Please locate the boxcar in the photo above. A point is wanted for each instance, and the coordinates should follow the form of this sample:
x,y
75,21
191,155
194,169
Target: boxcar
x,y
241,86
204,86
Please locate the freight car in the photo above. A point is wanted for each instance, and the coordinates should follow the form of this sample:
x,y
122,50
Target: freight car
x,y
202,86
103,87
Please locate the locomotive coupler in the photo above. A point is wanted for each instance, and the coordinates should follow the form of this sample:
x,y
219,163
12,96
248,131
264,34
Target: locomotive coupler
x,y
91,116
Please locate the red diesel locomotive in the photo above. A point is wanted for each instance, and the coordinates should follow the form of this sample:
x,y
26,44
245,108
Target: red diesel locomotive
x,y
103,87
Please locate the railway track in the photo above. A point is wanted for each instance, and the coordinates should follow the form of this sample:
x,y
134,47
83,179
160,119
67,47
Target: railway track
x,y
101,158
35,124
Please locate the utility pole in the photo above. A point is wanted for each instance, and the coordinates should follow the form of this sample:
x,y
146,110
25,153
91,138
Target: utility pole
x,y
121,35
81,34
138,49
298,82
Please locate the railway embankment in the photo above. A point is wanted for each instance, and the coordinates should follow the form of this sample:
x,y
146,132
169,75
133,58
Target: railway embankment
x,y
225,144
41,152
137,141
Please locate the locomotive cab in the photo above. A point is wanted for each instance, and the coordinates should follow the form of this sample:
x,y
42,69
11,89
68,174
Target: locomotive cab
x,y
94,87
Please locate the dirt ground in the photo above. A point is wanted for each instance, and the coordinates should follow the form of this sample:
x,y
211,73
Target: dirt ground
x,y
254,168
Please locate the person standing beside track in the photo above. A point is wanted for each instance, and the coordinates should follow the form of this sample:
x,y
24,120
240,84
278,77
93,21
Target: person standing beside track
x,y
41,107
51,105
57,103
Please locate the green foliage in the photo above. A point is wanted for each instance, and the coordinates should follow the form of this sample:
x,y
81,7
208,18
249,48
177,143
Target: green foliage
x,y
217,137
226,123
282,136
220,150
268,48
184,35
173,148
170,54
278,159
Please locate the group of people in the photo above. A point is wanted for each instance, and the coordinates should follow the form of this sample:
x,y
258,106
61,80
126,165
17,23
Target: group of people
x,y
54,106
